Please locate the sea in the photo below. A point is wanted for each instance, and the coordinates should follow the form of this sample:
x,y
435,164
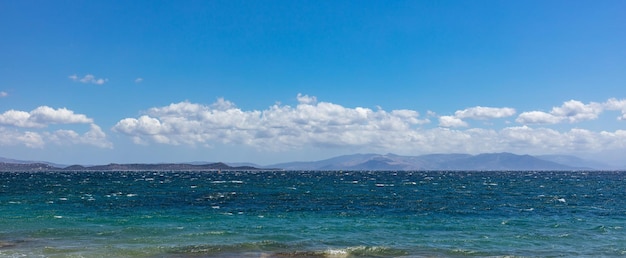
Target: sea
x,y
313,214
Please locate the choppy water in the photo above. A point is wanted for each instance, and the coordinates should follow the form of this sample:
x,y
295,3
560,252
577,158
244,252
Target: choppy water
x,y
312,214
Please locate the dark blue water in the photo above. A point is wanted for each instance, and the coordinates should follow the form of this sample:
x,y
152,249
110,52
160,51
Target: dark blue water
x,y
312,214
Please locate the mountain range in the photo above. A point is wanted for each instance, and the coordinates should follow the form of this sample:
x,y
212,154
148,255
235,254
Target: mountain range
x,y
485,161
43,166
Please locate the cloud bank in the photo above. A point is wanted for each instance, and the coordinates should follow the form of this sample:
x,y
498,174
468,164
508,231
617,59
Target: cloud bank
x,y
326,125
278,127
319,125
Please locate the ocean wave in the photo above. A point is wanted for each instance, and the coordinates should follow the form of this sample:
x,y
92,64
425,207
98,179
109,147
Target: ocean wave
x,y
277,249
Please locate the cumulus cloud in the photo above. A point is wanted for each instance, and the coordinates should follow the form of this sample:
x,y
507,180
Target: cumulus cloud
x,y
278,127
451,121
615,104
538,117
484,113
305,99
575,111
41,117
572,111
32,139
89,78
11,137
3,94
476,113
13,123
95,137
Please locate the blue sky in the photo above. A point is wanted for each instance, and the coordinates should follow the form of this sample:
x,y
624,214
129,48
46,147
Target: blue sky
x,y
95,82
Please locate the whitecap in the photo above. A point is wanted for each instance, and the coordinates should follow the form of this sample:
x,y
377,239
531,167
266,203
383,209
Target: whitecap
x,y
336,253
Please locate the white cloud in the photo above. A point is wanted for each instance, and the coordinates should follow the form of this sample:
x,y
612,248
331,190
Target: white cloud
x,y
615,104
574,140
537,117
89,78
305,99
476,113
278,127
3,94
451,121
12,123
12,137
522,139
572,111
17,118
575,111
484,113
42,117
139,80
95,136
322,125
48,115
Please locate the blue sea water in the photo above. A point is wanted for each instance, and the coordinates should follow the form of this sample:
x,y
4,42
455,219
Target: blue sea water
x,y
313,214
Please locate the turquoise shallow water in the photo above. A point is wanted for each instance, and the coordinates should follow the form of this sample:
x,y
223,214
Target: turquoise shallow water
x,y
312,214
